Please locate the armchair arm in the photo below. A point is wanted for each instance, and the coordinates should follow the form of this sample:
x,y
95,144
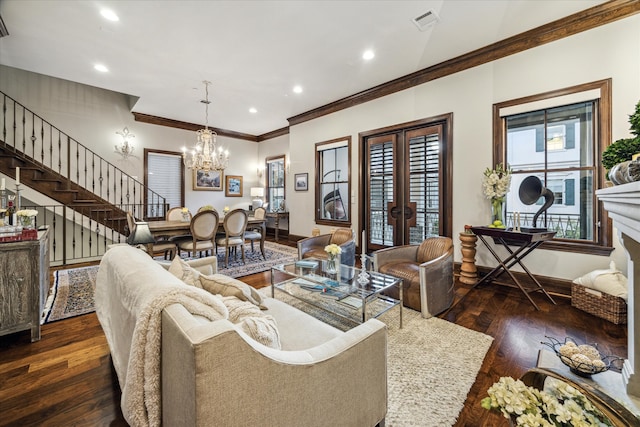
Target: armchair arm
x,y
314,242
385,256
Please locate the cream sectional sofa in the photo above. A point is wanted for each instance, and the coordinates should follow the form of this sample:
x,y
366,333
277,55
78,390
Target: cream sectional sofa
x,y
211,373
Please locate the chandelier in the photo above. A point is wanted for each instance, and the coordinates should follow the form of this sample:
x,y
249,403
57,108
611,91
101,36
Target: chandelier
x,y
206,155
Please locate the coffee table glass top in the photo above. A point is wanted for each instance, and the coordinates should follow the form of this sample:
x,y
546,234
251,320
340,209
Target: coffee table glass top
x,y
340,293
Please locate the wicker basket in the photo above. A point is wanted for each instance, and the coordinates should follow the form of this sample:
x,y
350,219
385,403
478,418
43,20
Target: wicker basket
x,y
605,306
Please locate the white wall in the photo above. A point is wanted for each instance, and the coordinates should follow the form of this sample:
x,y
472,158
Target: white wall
x,y
612,51
92,116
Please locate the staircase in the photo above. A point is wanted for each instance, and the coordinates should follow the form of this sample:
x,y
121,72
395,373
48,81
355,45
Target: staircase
x,y
54,164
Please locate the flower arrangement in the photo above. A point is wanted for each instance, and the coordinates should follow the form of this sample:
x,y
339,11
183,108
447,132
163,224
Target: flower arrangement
x,y
185,211
559,405
496,182
25,216
27,212
226,209
333,250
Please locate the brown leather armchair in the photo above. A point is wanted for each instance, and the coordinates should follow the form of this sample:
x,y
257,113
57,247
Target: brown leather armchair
x,y
426,271
313,247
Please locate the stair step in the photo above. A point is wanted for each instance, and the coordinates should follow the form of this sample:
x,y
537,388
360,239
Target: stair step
x,y
84,201
66,191
48,179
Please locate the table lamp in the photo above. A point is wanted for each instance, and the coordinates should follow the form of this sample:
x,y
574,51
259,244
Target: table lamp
x,y
141,235
257,193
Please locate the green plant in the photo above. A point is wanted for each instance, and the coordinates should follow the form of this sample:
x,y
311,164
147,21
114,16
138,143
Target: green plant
x,y
620,151
634,119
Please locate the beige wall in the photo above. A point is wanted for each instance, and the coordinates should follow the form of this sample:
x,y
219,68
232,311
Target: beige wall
x,y
612,51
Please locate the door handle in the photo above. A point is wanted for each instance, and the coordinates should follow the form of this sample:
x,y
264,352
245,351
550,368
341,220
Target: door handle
x,y
392,214
410,214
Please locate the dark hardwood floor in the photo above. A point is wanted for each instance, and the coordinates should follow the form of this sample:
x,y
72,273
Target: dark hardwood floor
x,y
66,378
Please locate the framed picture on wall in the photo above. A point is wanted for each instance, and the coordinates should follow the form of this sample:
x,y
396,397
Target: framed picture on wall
x,y
211,180
233,186
302,181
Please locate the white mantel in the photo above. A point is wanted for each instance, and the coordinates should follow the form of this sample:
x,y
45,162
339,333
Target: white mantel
x,y
622,202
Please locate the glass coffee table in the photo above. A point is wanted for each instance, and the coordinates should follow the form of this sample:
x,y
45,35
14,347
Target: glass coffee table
x,y
341,293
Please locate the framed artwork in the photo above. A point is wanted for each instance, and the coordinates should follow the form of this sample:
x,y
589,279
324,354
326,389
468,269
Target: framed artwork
x,y
203,180
302,181
233,186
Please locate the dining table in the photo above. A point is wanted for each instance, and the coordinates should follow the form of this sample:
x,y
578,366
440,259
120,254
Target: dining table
x,y
164,228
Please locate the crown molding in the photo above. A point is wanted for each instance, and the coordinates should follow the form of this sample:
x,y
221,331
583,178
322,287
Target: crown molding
x,y
162,121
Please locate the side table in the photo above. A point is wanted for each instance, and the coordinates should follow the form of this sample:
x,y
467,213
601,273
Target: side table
x,y
525,242
277,216
468,269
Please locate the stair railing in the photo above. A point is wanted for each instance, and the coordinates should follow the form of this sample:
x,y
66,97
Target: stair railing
x,y
33,137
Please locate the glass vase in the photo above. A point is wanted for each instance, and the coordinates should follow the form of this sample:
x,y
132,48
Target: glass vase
x,y
331,265
26,221
497,204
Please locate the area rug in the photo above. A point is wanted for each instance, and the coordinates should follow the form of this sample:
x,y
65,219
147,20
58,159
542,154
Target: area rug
x,y
71,294
431,365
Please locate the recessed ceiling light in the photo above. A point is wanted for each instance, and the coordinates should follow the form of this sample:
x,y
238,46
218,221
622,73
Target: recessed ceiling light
x,y
109,14
297,89
368,54
253,110
101,68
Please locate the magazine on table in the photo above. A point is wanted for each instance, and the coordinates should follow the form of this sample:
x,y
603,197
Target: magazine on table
x,y
321,279
308,285
307,264
351,301
333,294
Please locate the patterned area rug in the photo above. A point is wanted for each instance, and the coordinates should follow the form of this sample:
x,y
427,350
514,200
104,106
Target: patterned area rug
x,y
431,364
73,289
71,294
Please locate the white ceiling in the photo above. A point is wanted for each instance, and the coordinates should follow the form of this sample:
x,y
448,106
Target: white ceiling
x,y
253,52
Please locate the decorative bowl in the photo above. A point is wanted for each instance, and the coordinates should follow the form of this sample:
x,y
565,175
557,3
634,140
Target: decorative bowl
x,y
582,359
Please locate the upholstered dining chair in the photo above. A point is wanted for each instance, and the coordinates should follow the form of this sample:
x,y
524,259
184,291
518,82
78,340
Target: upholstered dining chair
x,y
426,271
165,247
255,233
313,247
235,224
204,226
176,214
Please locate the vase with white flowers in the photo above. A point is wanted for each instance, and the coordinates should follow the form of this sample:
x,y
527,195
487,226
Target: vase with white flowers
x,y
495,186
333,251
559,404
26,217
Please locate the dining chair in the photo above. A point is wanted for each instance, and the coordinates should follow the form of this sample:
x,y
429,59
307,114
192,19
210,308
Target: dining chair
x,y
203,232
177,214
255,233
235,224
165,247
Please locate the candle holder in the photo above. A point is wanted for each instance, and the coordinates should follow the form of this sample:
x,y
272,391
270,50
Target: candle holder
x,y
18,198
363,277
3,199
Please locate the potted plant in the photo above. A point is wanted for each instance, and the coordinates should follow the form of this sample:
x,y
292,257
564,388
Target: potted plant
x,y
622,150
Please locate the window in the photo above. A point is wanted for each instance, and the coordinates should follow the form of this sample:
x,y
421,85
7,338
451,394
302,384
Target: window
x,y
333,184
164,178
275,183
558,137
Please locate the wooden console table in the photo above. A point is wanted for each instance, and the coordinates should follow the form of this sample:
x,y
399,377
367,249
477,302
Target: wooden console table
x,y
277,216
525,242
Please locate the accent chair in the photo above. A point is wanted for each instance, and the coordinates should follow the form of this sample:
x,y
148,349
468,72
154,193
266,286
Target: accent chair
x,y
313,247
426,271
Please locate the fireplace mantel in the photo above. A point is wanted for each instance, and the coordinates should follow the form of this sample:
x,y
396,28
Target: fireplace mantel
x,y
622,203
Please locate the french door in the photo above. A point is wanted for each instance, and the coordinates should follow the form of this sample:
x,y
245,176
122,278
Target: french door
x,y
406,193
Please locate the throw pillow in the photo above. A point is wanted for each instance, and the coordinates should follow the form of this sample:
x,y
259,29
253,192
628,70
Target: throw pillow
x,y
610,281
182,271
230,287
248,317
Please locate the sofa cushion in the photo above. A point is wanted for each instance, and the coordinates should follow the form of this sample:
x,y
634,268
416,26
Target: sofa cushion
x,y
409,272
251,320
230,287
184,272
